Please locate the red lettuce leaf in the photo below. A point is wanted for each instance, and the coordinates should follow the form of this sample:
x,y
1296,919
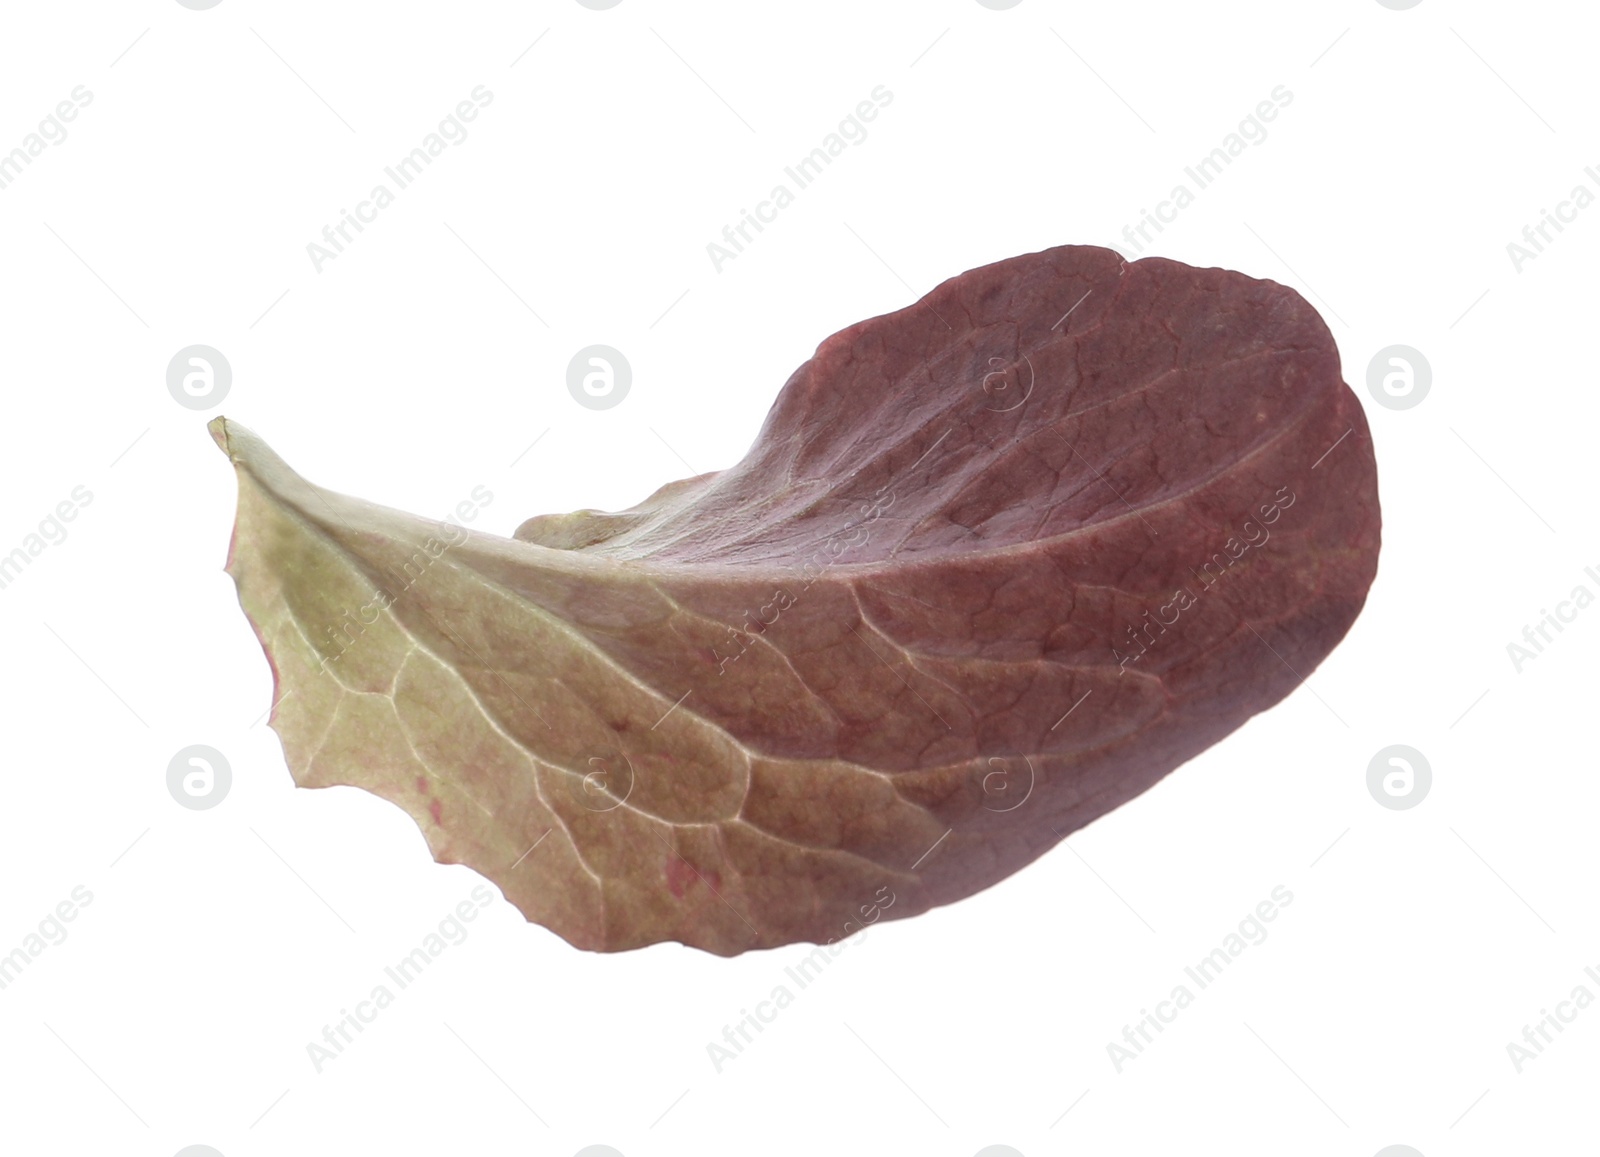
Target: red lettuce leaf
x,y
996,563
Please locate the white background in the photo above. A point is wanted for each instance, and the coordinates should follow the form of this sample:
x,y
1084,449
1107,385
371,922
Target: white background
x,y
430,354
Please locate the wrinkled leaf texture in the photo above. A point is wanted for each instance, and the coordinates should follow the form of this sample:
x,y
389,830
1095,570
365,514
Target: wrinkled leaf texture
x,y
929,625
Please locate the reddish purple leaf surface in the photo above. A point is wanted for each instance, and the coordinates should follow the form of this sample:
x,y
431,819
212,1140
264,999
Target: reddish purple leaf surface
x,y
995,564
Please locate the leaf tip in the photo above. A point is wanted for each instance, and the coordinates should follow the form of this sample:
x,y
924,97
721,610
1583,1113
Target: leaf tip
x,y
218,427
